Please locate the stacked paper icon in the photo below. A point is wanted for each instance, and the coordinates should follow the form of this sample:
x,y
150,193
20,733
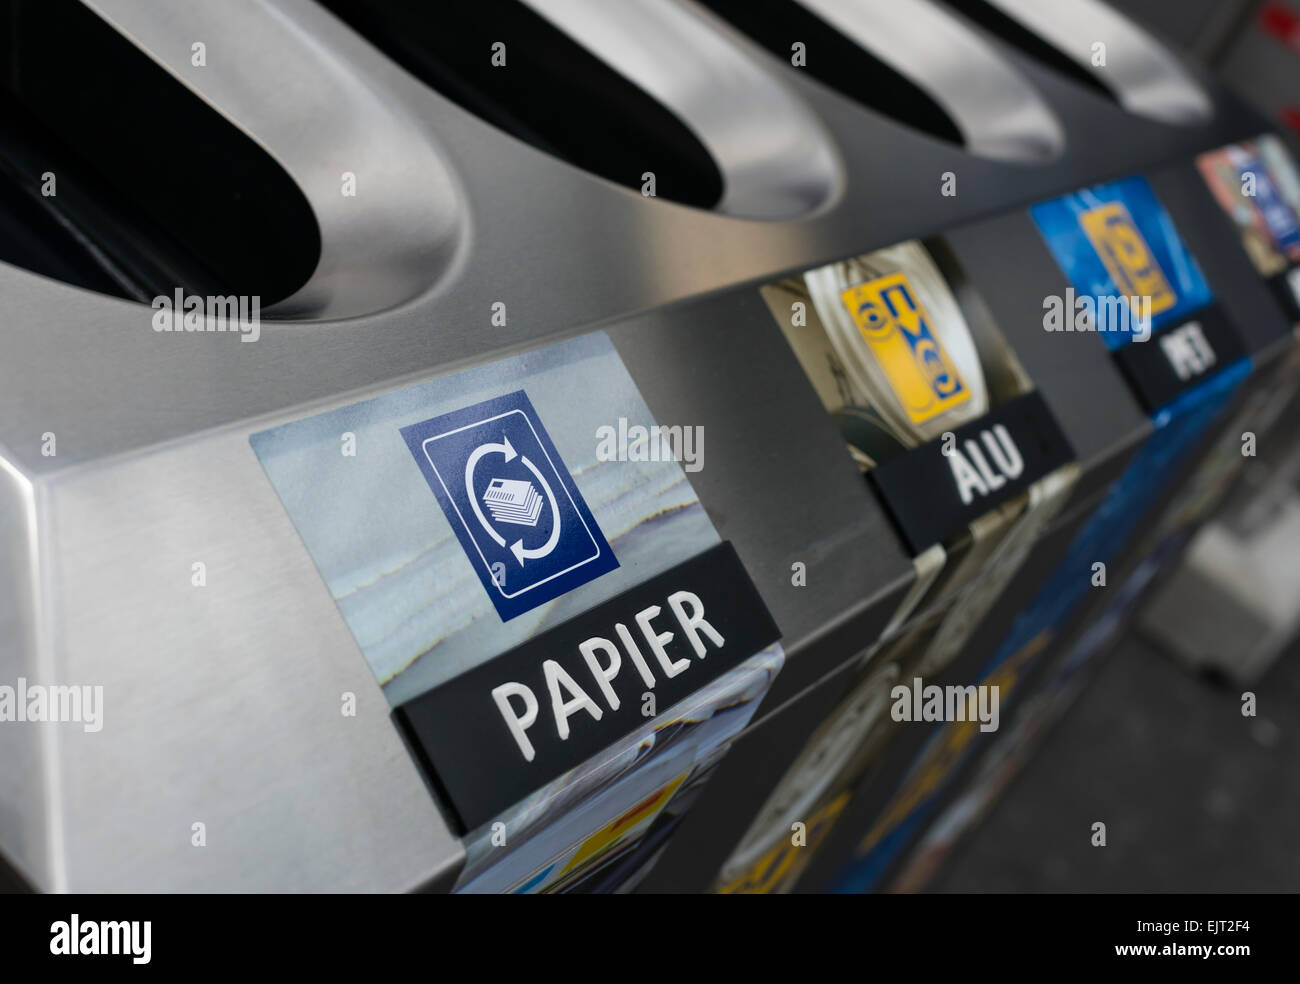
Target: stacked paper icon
x,y
513,501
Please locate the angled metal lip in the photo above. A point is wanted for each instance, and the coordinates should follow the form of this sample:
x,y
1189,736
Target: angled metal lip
x,y
309,109
30,831
1144,76
776,159
998,111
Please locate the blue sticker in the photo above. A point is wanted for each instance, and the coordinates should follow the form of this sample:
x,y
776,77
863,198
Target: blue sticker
x,y
1273,206
1116,241
511,501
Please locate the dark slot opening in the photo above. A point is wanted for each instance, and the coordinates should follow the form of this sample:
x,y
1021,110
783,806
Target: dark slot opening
x,y
838,62
1018,36
154,189
552,92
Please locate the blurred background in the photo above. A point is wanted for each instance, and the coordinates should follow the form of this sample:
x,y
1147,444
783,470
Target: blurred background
x,y
1154,746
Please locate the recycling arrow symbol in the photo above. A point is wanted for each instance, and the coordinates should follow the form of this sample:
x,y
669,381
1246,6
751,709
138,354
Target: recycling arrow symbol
x,y
508,453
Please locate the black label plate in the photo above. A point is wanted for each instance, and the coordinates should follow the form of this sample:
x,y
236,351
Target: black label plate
x,y
935,490
1180,357
493,735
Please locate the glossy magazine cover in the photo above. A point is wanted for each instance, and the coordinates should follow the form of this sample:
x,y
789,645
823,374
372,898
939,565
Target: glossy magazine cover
x,y
597,828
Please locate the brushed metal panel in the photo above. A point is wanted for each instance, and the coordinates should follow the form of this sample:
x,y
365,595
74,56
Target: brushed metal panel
x,y
223,703
776,160
561,250
766,431
1143,74
27,789
276,74
997,110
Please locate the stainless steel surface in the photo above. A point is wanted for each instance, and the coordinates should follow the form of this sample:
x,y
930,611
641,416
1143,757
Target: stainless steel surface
x,y
767,430
26,786
223,702
776,160
561,250
997,110
1145,76
286,82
